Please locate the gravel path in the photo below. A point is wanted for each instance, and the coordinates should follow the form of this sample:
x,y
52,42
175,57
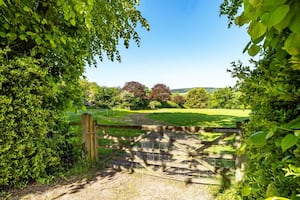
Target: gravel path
x,y
109,185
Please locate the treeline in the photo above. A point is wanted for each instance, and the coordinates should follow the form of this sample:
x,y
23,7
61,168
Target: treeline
x,y
134,95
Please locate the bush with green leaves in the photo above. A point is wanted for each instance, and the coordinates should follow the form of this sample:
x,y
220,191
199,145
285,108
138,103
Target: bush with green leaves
x,y
271,87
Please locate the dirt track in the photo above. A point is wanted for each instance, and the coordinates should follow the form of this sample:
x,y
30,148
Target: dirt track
x,y
111,185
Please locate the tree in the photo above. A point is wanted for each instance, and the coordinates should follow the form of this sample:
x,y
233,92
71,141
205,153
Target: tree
x,y
136,88
134,95
224,98
197,98
89,91
160,92
271,87
178,99
44,47
107,97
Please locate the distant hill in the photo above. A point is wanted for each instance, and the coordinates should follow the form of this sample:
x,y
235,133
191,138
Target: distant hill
x,y
185,90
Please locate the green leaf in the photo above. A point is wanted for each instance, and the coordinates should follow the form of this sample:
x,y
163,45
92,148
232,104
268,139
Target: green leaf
x,y
271,132
255,3
38,40
241,20
259,138
278,15
27,9
253,50
297,133
52,43
294,26
12,36
294,124
22,37
292,44
256,30
2,34
63,39
288,141
246,191
2,3
73,22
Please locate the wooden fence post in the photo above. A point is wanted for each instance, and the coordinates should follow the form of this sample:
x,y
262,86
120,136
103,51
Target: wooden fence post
x,y
240,159
85,121
89,136
95,141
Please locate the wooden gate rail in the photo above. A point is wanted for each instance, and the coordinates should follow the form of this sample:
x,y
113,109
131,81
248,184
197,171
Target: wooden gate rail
x,y
189,157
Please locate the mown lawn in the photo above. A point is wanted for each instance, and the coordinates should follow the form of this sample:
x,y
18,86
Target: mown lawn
x,y
179,117
199,117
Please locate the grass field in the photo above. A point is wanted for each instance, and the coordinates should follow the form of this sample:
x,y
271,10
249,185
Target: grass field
x,y
103,116
199,117
180,117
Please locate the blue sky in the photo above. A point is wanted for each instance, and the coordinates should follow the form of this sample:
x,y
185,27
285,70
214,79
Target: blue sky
x,y
188,45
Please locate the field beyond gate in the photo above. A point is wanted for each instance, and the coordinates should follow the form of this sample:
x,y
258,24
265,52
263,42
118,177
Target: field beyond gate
x,y
193,154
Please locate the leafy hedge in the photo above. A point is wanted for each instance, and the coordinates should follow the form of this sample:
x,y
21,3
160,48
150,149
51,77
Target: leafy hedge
x,y
33,141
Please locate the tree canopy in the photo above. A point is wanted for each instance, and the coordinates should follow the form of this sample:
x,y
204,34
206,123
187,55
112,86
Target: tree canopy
x,y
197,98
160,92
44,48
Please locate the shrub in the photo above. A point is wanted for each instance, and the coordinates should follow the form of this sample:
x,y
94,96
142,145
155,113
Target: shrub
x,y
155,104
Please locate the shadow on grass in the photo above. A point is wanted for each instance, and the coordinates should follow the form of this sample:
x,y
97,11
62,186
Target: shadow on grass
x,y
197,119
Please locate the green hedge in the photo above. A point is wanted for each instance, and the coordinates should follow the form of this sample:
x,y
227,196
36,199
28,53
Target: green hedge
x,y
33,142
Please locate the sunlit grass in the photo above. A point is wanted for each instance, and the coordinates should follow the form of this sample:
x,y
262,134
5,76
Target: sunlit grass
x,y
199,117
180,117
103,116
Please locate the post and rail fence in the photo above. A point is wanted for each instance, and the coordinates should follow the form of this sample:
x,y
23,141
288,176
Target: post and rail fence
x,y
167,150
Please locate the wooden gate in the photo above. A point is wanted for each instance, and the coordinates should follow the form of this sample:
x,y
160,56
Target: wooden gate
x,y
191,154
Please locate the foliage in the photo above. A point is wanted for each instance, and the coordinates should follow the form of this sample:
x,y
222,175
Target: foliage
x,y
136,88
44,47
95,95
89,90
107,97
197,98
133,95
31,148
225,98
178,99
155,104
272,87
160,92
182,91
171,104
